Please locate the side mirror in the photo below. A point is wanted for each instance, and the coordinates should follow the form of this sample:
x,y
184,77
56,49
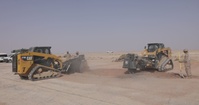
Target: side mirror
x,y
144,47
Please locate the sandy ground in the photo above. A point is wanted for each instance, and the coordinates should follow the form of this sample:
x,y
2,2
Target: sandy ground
x,y
106,83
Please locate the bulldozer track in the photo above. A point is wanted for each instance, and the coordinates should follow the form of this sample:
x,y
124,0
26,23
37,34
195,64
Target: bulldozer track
x,y
164,63
48,74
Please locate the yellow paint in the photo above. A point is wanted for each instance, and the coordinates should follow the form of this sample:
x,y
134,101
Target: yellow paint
x,y
25,66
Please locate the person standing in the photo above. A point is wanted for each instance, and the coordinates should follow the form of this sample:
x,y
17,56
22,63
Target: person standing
x,y
77,53
67,55
187,63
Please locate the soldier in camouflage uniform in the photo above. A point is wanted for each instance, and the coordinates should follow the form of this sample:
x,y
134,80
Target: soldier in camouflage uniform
x,y
187,63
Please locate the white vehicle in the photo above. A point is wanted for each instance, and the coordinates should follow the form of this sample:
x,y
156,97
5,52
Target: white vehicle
x,y
8,58
2,56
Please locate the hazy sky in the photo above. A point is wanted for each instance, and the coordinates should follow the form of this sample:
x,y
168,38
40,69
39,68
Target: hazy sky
x,y
98,25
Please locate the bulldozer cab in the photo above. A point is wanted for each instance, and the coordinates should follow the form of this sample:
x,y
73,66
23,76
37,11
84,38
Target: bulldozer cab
x,y
153,49
45,50
157,50
154,46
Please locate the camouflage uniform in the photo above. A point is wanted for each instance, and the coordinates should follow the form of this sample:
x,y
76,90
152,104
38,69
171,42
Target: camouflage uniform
x,y
187,63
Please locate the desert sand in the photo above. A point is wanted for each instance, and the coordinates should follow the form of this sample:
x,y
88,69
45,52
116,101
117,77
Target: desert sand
x,y
105,83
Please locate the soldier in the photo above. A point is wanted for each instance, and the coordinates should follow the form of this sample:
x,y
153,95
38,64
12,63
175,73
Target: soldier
x,y
77,53
187,63
67,55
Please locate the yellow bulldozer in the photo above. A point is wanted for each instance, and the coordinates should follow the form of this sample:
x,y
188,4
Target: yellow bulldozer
x,y
38,63
154,56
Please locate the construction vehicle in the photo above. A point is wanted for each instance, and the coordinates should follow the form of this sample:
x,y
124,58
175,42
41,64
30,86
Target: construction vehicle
x,y
155,56
38,63
8,59
3,56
